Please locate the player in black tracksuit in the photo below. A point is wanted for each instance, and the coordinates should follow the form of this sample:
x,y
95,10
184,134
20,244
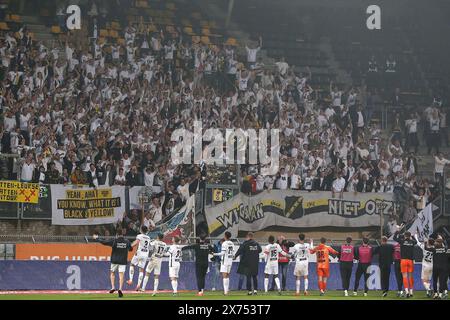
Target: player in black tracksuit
x,y
202,250
119,257
385,259
440,266
249,262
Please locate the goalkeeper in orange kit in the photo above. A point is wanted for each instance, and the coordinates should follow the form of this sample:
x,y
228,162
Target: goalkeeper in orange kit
x,y
322,252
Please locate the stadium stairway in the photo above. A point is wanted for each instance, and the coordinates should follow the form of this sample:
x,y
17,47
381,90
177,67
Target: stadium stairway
x,y
40,31
214,12
342,76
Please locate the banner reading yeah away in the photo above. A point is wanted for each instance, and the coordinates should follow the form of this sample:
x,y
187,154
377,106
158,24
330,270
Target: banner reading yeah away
x,y
87,206
296,209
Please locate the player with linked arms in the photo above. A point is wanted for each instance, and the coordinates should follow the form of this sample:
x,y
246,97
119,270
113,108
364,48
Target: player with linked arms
x,y
140,257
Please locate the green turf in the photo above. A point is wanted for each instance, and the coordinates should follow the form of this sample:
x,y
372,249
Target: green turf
x,y
235,295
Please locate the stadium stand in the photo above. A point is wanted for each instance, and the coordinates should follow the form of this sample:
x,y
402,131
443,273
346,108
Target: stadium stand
x,y
97,106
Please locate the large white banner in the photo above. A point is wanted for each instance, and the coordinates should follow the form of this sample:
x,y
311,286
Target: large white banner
x,y
87,206
423,225
290,208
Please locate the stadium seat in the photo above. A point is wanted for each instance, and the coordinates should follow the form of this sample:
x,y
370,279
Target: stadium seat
x,y
56,29
104,33
113,34
115,25
186,23
196,39
188,30
205,40
170,6
3,26
15,18
231,42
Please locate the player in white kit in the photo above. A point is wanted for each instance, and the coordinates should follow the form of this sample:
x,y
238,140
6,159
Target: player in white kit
x,y
158,248
174,254
140,257
226,261
427,265
301,255
272,250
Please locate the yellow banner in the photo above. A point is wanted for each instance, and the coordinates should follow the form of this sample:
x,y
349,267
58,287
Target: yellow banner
x,y
15,191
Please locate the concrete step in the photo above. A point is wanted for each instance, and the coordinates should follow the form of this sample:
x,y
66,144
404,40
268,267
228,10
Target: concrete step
x,y
38,28
31,20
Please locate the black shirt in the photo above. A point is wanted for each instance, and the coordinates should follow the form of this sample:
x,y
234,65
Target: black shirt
x,y
202,250
385,254
406,246
441,256
249,262
120,247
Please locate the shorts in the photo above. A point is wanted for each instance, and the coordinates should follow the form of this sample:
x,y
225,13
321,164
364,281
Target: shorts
x,y
173,271
427,271
120,267
301,269
271,268
323,272
406,265
139,261
155,266
225,268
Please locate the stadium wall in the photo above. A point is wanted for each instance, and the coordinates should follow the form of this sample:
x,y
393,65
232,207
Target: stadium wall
x,y
94,275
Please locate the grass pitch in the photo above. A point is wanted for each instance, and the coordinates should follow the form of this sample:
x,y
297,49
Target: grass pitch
x,y
191,295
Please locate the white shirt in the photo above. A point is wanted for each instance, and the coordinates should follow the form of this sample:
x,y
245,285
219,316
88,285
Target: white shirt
x,y
144,245
339,184
10,123
158,249
439,164
27,171
227,253
272,251
183,191
282,182
295,181
174,253
308,183
251,54
301,252
259,182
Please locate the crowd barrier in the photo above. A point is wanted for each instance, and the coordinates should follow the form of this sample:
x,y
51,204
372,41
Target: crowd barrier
x,y
94,275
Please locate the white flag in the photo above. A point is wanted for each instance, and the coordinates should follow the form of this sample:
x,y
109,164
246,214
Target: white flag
x,y
423,225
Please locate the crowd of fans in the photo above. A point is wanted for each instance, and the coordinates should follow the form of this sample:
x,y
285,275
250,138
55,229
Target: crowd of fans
x,y
104,116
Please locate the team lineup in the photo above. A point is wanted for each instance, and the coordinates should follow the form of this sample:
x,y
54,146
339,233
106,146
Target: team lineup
x,y
150,253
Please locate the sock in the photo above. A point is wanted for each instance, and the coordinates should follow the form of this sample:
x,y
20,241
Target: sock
x,y
144,284
226,284
426,285
306,284
174,286
297,285
266,284
277,282
411,283
324,285
155,285
131,272
141,275
320,285
406,284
